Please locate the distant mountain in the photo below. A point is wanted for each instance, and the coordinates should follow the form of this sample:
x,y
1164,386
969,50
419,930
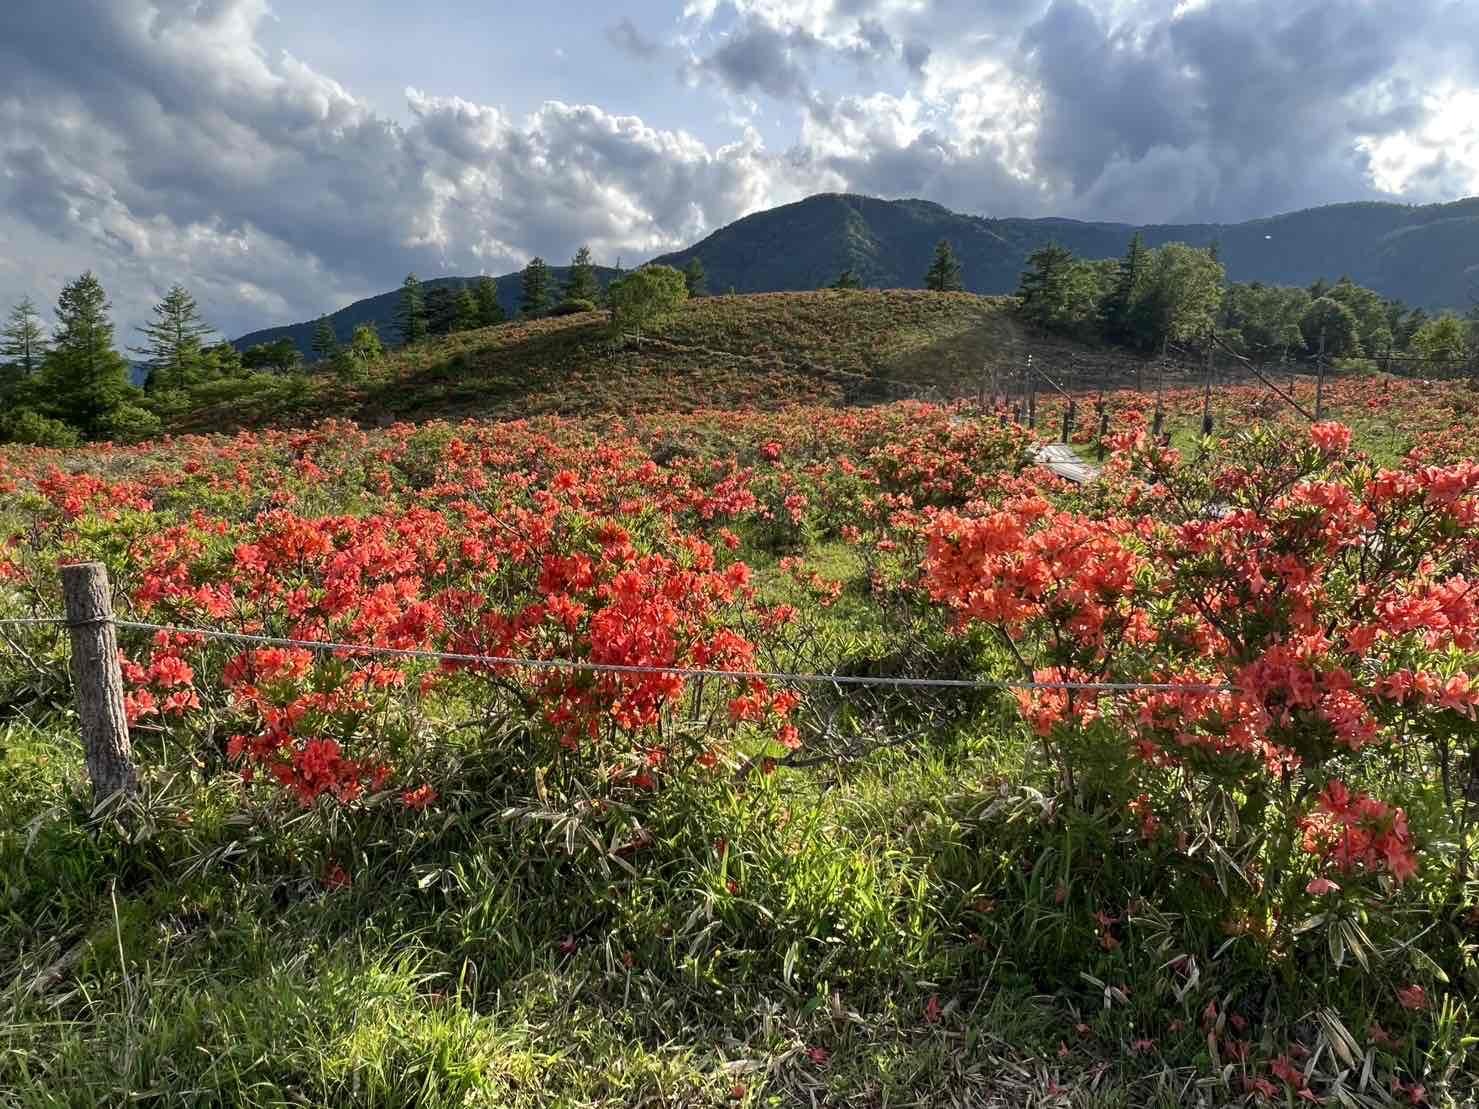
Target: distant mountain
x,y
1427,256
380,310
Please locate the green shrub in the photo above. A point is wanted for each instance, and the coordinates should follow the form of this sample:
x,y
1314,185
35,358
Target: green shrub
x,y
26,425
645,296
573,306
131,423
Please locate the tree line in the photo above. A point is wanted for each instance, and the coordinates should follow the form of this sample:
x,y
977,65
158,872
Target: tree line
x,y
69,382
943,275
72,382
1178,293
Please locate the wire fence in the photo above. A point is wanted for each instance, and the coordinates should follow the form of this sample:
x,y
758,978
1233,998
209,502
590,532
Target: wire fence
x,y
586,666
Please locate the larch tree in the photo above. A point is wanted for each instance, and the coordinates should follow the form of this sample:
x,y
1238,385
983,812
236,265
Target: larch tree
x,y
1057,289
490,309
84,380
466,318
174,343
1117,314
441,311
535,292
410,314
23,343
944,272
695,278
581,282
325,340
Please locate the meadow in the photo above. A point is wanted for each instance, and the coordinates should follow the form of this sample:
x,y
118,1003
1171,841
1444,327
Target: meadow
x,y
1244,874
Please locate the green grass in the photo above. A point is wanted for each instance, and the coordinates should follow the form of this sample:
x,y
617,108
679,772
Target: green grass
x,y
764,351
439,977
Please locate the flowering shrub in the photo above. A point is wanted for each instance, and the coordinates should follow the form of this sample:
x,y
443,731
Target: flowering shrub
x,y
1310,615
541,541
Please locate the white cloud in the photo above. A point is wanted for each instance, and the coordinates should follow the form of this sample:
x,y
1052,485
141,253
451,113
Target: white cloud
x,y
157,140
1435,160
275,193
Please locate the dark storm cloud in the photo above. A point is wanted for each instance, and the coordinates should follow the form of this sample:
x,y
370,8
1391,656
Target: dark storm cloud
x,y
1153,110
758,57
1252,106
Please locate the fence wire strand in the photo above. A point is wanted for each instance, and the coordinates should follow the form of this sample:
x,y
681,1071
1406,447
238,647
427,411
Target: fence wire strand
x,y
581,666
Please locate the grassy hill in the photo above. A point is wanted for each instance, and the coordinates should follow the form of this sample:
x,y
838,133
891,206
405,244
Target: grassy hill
x,y
730,351
380,310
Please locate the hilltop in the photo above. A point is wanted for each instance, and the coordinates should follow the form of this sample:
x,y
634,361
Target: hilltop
x,y
1427,256
762,351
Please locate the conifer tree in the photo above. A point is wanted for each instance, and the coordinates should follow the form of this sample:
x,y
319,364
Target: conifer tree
x,y
581,283
23,343
441,311
944,271
490,310
467,311
535,293
1119,305
846,280
84,379
695,277
174,343
410,315
325,341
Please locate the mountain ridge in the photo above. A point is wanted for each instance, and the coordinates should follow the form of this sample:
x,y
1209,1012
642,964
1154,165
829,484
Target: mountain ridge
x,y
1426,255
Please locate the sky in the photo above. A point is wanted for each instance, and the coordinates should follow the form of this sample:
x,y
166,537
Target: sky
x,y
282,158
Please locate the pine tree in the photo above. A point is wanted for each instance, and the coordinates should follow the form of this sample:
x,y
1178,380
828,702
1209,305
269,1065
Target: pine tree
x,y
534,297
441,311
23,343
467,311
223,360
944,271
490,310
173,343
581,282
1118,315
846,280
694,277
410,315
325,341
84,379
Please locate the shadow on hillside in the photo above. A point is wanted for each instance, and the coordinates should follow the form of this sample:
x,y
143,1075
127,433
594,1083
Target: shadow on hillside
x,y
950,366
479,377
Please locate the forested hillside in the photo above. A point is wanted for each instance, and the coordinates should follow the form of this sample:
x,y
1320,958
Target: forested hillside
x,y
1427,256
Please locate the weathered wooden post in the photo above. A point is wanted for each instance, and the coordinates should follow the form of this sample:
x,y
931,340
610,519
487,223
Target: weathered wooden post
x,y
1207,393
1320,380
1103,429
1068,422
1031,395
98,679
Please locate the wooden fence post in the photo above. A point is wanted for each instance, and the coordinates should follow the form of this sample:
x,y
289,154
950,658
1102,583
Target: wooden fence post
x,y
98,679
